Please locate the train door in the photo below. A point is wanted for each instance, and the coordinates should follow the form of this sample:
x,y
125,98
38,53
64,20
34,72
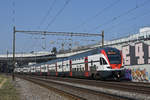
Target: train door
x,y
63,68
56,69
66,67
86,67
93,68
48,71
40,70
70,63
93,64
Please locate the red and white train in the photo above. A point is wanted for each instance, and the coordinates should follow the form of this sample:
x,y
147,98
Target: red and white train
x,y
100,63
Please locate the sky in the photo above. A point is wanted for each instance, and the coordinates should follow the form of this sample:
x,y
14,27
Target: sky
x,y
118,18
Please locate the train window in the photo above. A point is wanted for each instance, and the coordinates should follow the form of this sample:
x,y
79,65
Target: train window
x,y
59,66
91,62
104,61
100,61
83,69
75,69
80,68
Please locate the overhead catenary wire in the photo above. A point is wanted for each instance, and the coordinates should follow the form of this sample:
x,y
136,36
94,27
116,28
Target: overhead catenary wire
x,y
121,15
47,14
127,34
58,33
128,20
58,13
13,12
131,26
99,13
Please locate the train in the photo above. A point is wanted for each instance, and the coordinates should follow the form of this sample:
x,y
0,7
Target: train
x,y
100,63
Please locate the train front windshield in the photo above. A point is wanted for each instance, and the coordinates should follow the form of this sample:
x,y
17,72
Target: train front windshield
x,y
114,56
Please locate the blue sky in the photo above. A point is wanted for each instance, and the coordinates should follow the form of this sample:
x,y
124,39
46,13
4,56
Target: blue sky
x,y
122,18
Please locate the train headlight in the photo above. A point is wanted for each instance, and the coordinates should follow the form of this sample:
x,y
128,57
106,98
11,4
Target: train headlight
x,y
109,67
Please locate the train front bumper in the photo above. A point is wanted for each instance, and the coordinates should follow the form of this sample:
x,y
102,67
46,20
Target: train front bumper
x,y
111,74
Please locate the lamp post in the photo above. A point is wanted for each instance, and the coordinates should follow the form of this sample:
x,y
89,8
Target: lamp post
x,y
7,62
14,40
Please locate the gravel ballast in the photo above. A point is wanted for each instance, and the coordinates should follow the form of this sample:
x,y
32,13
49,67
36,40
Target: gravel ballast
x,y
31,91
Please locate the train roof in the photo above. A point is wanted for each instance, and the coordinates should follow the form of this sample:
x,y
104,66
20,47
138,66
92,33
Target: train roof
x,y
80,55
110,48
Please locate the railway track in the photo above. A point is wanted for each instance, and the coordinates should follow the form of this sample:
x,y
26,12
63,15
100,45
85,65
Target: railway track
x,y
136,87
75,91
48,86
96,88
